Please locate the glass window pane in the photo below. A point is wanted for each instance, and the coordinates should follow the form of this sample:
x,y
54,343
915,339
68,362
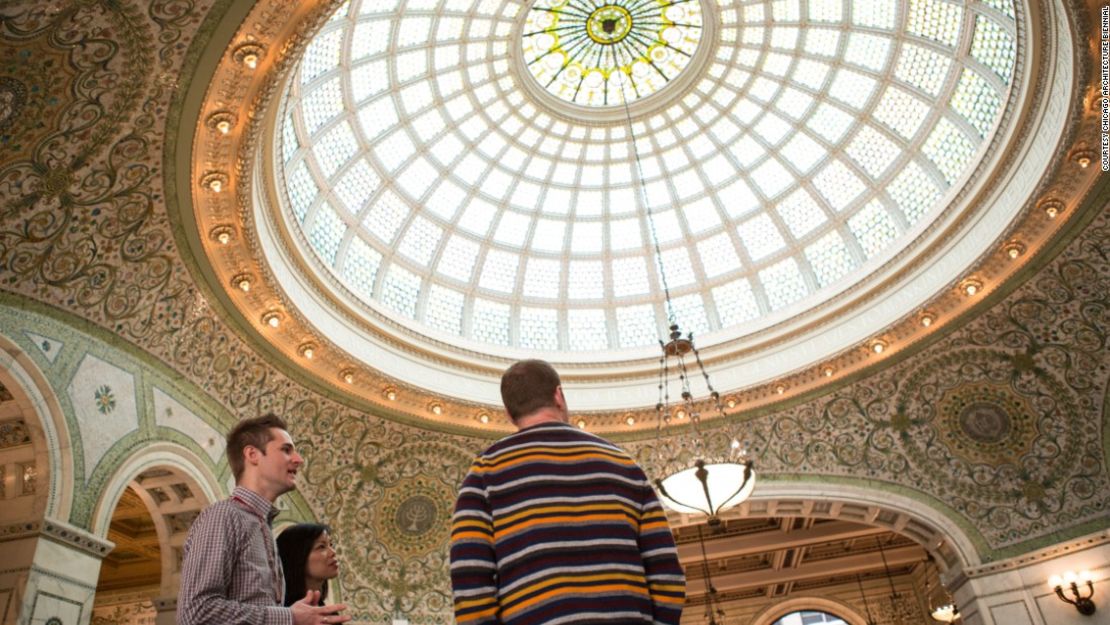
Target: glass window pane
x,y
586,329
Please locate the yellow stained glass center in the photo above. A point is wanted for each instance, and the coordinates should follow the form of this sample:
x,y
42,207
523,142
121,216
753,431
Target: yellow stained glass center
x,y
600,55
609,24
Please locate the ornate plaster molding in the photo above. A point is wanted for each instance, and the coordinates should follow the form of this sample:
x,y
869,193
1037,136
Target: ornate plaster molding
x,y
1041,555
59,532
19,531
76,538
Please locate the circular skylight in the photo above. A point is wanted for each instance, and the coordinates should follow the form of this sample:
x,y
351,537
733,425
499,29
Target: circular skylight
x,y
604,54
424,179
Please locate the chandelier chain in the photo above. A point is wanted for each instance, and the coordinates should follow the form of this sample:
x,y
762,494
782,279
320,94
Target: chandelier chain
x,y
671,318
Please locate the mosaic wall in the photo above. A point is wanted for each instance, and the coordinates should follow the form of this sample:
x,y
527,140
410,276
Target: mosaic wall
x,y
999,425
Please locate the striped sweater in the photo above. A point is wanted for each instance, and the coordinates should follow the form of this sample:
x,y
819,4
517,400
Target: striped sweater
x,y
556,525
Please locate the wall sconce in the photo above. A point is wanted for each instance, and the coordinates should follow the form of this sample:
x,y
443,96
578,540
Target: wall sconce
x,y
1082,156
214,181
307,350
242,282
272,318
1014,249
221,122
971,286
1084,605
249,54
222,234
1051,207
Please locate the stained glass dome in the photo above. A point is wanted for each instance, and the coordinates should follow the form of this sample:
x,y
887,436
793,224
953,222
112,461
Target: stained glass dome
x,y
425,176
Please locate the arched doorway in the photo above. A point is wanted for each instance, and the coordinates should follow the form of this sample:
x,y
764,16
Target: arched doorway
x,y
148,522
854,559
131,574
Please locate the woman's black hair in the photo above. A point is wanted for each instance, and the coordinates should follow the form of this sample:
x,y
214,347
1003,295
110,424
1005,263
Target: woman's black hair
x,y
294,544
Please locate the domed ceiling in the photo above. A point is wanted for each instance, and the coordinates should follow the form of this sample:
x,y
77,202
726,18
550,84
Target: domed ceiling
x,y
467,168
423,191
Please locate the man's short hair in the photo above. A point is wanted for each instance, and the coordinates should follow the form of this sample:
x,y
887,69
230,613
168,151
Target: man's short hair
x,y
528,386
253,433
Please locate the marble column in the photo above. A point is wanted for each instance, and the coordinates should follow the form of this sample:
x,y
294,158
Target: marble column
x,y
165,609
48,573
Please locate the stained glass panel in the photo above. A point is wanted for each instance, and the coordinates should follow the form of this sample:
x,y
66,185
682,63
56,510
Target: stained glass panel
x,y
817,133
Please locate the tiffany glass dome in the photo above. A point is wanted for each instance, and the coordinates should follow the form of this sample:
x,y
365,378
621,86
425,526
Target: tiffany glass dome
x,y
489,173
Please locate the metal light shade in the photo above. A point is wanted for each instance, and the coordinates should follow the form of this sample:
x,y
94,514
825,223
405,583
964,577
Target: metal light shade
x,y
946,613
707,488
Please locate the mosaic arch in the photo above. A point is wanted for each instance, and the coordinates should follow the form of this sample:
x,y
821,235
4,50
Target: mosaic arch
x,y
953,545
185,482
46,427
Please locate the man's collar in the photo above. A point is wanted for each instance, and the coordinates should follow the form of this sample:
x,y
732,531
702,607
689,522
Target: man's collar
x,y
259,504
544,425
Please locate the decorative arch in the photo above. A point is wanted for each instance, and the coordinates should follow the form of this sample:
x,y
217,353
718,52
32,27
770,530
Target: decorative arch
x,y
46,424
175,485
775,611
953,545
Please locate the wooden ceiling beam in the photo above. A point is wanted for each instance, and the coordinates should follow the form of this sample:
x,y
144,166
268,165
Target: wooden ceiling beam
x,y
846,565
762,542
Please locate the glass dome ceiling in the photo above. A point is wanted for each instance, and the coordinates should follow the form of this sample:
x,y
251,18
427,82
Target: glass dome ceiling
x,y
425,180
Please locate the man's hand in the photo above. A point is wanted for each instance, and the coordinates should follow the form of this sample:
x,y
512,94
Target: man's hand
x,y
306,612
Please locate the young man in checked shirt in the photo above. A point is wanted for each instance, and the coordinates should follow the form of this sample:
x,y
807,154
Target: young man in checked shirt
x,y
231,574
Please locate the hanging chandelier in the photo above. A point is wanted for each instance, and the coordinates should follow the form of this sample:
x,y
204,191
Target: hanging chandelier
x,y
713,608
694,473
946,611
866,604
896,611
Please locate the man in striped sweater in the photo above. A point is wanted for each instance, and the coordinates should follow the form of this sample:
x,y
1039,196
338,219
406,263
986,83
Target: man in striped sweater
x,y
555,525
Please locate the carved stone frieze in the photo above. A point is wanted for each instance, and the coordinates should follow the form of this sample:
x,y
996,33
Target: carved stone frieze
x,y
58,531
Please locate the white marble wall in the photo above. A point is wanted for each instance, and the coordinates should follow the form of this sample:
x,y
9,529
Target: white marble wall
x,y
1016,592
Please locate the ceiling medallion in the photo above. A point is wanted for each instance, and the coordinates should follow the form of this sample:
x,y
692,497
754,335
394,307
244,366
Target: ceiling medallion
x,y
601,56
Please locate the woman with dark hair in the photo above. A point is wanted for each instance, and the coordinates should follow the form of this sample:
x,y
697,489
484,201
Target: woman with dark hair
x,y
308,560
